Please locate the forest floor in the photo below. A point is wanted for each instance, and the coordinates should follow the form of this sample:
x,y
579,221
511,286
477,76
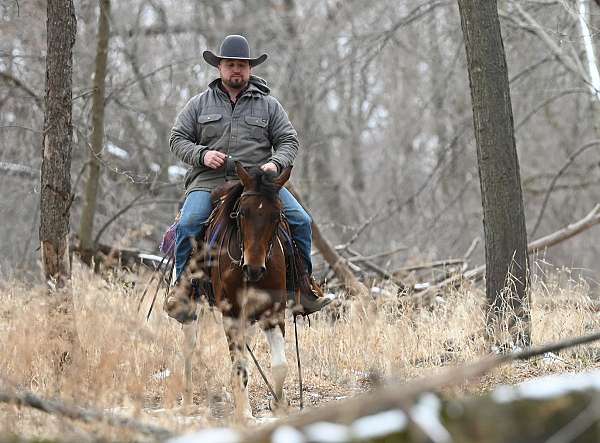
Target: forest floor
x,y
134,367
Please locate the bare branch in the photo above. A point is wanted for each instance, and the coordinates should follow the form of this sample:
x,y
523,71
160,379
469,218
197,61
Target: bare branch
x,y
560,172
18,170
56,407
19,84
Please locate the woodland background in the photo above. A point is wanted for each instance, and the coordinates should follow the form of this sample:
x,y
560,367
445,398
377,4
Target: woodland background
x,y
377,90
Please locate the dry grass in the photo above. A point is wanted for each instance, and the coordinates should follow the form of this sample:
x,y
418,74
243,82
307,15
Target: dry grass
x,y
345,351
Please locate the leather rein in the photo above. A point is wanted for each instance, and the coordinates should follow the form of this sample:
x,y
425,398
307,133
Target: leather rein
x,y
237,216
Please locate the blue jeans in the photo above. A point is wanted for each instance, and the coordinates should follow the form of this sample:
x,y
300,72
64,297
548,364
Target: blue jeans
x,y
197,208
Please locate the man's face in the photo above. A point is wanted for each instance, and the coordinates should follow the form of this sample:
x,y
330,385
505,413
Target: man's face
x,y
235,74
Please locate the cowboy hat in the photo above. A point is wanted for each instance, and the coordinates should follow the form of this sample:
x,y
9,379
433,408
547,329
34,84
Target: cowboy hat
x,y
234,47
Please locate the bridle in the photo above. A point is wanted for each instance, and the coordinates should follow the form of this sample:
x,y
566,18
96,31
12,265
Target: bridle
x,y
237,216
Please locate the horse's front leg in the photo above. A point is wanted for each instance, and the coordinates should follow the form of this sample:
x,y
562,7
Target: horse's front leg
x,y
279,366
189,344
240,373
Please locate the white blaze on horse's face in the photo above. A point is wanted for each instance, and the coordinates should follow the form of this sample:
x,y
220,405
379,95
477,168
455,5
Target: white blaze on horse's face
x,y
259,218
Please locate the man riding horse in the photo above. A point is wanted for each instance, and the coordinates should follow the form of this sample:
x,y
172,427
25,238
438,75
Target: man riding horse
x,y
234,119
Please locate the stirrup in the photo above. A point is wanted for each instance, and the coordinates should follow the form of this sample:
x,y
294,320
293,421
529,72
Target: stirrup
x,y
179,306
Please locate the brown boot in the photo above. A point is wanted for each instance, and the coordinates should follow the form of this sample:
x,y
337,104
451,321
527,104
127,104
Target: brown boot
x,y
180,303
311,301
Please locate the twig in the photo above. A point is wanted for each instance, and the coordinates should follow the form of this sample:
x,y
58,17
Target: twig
x,y
591,219
385,274
19,84
389,204
126,208
560,172
379,255
545,103
474,244
56,407
430,265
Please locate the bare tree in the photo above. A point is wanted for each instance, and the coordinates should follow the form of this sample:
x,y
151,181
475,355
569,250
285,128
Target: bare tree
x,y
507,271
57,140
55,204
93,181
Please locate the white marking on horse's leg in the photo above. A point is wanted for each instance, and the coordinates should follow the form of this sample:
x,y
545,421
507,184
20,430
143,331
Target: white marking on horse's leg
x,y
279,366
189,344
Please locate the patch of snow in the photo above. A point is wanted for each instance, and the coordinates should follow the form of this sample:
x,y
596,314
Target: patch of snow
x,y
152,257
379,425
155,167
426,414
325,432
216,435
421,286
287,434
548,387
330,296
551,359
116,151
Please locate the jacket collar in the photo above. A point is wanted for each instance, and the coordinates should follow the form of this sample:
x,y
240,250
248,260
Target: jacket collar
x,y
256,85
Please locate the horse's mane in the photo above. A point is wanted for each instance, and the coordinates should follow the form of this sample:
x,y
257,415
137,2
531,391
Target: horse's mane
x,y
265,186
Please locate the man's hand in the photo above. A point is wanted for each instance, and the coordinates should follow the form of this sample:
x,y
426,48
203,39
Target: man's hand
x,y
269,166
214,159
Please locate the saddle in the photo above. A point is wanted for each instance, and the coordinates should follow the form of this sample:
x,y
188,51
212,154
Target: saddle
x,y
221,232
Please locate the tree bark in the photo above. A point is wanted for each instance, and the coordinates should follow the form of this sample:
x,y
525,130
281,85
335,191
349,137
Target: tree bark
x,y
93,182
56,195
507,273
57,140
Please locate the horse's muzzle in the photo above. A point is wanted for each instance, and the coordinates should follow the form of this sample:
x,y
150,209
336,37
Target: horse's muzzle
x,y
253,273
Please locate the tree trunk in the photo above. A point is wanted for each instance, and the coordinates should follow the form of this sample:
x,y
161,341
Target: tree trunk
x,y
57,140
93,182
56,182
507,273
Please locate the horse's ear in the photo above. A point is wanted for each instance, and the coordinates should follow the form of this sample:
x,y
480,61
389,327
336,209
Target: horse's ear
x,y
243,174
282,178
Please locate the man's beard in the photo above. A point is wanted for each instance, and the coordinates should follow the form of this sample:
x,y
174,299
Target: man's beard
x,y
234,83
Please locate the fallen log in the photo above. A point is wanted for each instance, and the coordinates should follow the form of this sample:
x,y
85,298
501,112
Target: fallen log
x,y
336,261
591,219
57,407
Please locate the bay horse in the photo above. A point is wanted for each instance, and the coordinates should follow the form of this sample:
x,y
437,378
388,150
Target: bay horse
x,y
246,261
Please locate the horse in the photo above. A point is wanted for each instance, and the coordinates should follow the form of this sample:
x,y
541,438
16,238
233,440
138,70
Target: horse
x,y
246,261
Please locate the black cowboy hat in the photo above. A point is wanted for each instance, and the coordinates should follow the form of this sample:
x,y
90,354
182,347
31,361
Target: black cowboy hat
x,y
234,47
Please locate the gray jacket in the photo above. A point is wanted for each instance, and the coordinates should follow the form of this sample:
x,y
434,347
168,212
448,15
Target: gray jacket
x,y
258,130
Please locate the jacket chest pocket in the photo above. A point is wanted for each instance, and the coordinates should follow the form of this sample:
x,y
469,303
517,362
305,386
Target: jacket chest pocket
x,y
210,126
257,128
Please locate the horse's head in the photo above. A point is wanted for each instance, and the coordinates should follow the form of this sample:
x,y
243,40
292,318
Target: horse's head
x,y
259,214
